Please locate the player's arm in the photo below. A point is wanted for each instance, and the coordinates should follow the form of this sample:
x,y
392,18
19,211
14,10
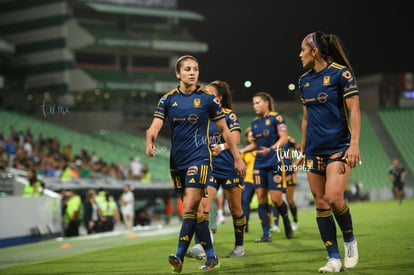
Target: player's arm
x,y
352,154
151,136
225,132
217,148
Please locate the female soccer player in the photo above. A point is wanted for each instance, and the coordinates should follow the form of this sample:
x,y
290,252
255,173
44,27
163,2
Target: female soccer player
x,y
270,134
189,110
330,97
224,173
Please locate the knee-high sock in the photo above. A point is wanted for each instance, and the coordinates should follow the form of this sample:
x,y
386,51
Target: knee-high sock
x,y
203,233
294,211
186,233
239,224
275,213
264,215
327,229
283,211
343,217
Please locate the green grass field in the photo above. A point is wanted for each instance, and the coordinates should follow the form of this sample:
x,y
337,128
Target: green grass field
x,y
385,233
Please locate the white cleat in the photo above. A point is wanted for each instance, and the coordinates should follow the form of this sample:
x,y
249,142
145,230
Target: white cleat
x,y
333,265
276,229
351,254
295,226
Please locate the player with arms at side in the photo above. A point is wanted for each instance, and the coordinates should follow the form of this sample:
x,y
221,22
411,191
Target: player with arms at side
x,y
190,109
330,98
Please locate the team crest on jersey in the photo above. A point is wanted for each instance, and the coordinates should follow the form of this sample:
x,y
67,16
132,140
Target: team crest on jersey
x,y
197,102
267,122
326,80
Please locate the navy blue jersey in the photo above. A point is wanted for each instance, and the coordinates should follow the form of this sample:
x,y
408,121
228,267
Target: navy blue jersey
x,y
324,94
223,164
265,132
189,116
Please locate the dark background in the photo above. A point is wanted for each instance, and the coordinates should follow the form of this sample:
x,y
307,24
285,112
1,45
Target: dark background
x,y
259,40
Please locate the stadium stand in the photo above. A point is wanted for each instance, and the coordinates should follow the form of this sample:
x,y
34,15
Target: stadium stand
x,y
108,151
375,162
400,126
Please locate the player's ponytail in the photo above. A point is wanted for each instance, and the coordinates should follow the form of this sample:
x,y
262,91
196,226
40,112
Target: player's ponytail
x,y
331,49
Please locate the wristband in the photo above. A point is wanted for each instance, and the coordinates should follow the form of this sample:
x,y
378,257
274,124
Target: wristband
x,y
222,148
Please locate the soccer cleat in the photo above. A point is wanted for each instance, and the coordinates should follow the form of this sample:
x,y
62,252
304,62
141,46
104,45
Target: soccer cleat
x,y
288,230
176,263
211,263
264,239
276,229
351,254
238,251
333,265
295,226
197,251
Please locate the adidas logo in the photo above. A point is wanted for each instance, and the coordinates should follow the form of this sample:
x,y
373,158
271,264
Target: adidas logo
x,y
191,180
175,104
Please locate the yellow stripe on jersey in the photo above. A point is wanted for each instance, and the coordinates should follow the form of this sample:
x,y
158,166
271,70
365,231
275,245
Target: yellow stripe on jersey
x,y
350,93
203,174
336,65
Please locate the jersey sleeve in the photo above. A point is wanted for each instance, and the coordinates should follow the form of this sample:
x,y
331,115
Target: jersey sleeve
x,y
233,122
160,110
281,125
215,109
348,84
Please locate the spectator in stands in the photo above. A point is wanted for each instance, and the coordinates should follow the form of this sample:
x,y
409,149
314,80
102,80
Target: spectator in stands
x,y
397,174
248,186
224,174
145,176
127,202
270,134
10,148
33,188
66,172
91,213
189,110
330,96
108,213
135,167
72,218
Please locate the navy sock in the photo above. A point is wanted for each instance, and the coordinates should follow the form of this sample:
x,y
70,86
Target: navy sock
x,y
327,229
275,214
186,233
203,233
264,215
343,217
294,211
239,223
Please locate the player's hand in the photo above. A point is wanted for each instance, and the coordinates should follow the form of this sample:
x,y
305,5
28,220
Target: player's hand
x,y
150,149
216,149
240,166
352,156
263,151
